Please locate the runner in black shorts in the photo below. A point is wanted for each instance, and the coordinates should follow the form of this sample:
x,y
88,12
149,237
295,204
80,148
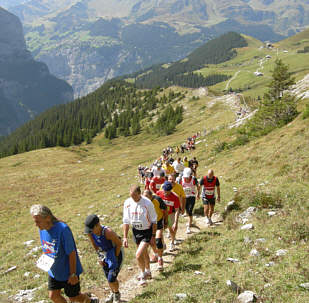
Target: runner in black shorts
x,y
162,217
140,213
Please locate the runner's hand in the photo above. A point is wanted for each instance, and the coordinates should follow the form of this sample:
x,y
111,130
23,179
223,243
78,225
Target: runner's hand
x,y
73,280
125,242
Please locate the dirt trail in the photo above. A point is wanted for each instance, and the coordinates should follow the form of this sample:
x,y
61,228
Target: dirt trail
x,y
129,287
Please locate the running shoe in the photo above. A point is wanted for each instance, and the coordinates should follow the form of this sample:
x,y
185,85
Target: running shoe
x,y
95,300
142,282
154,259
207,220
172,247
116,297
140,276
109,299
188,231
160,264
210,222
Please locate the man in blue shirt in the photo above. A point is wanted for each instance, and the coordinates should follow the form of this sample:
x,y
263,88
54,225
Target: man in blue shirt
x,y
60,258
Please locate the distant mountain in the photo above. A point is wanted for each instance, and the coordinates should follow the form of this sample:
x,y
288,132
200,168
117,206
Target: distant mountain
x,y
87,42
10,3
26,86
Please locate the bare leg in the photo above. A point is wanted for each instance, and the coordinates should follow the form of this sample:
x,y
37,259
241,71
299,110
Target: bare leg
x,y
114,286
82,298
56,297
140,255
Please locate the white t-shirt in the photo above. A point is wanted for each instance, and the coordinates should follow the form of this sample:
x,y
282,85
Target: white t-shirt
x,y
141,215
178,166
156,171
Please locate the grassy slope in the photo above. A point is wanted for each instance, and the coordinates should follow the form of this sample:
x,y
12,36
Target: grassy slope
x,y
247,62
74,189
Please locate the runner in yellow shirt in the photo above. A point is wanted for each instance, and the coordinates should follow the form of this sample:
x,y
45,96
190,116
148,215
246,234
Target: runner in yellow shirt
x,y
168,168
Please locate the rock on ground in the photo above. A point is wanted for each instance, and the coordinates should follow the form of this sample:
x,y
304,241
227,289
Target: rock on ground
x,y
247,227
247,297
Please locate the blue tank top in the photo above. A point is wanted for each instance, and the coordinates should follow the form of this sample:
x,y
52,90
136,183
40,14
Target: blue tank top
x,y
101,241
107,246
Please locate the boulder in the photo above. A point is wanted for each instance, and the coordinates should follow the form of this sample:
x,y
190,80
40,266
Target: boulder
x,y
254,253
247,297
247,227
305,285
246,215
281,252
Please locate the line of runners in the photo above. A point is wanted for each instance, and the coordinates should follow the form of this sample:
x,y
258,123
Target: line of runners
x,y
172,191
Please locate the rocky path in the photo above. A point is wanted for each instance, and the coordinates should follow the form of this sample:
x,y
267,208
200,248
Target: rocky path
x,y
233,78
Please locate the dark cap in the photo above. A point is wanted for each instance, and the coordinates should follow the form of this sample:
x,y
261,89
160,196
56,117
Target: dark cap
x,y
90,222
167,186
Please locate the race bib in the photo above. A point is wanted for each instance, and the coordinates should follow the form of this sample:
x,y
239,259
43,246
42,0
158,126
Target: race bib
x,y
137,224
168,203
158,186
188,190
45,262
209,192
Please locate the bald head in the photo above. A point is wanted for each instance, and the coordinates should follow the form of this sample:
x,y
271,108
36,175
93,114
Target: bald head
x,y
210,173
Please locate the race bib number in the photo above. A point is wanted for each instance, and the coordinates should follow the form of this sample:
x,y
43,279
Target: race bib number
x,y
209,192
168,203
137,225
158,186
45,262
188,190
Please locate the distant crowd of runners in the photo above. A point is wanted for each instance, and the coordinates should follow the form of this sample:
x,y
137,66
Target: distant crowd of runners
x,y
169,189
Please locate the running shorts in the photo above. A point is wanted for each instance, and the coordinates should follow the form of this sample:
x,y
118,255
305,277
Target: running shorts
x,y
160,224
111,274
190,202
142,235
211,201
70,290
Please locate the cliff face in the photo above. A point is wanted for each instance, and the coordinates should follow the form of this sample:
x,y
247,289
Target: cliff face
x,y
26,86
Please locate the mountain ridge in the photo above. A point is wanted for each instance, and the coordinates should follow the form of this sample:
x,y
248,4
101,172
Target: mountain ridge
x,y
26,86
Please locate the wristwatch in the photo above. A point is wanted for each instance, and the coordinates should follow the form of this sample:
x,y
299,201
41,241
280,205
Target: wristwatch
x,y
73,275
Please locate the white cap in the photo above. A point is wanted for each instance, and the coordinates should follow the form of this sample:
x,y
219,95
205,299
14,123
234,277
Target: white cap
x,y
187,172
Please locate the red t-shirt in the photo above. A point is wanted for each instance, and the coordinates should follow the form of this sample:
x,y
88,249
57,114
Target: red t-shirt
x,y
156,183
171,201
147,183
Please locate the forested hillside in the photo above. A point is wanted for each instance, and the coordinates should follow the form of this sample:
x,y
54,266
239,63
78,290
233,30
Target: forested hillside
x,y
117,104
181,73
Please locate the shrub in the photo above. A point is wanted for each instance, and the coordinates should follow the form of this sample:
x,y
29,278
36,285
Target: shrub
x,y
221,146
306,112
266,200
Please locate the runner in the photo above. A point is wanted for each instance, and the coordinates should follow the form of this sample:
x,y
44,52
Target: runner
x,y
60,257
157,169
168,168
193,164
156,183
108,247
178,166
209,184
185,161
189,184
172,202
149,176
162,221
178,191
139,212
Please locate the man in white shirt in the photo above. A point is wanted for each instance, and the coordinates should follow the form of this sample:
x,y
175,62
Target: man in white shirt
x,y
178,166
139,212
157,170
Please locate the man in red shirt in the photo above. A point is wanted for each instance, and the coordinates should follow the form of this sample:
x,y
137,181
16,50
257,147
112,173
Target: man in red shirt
x,y
156,182
209,184
173,205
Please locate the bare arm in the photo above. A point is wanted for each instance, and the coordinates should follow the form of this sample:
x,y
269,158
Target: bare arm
x,y
218,191
72,263
111,235
125,234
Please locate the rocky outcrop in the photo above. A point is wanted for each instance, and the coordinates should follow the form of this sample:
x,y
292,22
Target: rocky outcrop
x,y
26,86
